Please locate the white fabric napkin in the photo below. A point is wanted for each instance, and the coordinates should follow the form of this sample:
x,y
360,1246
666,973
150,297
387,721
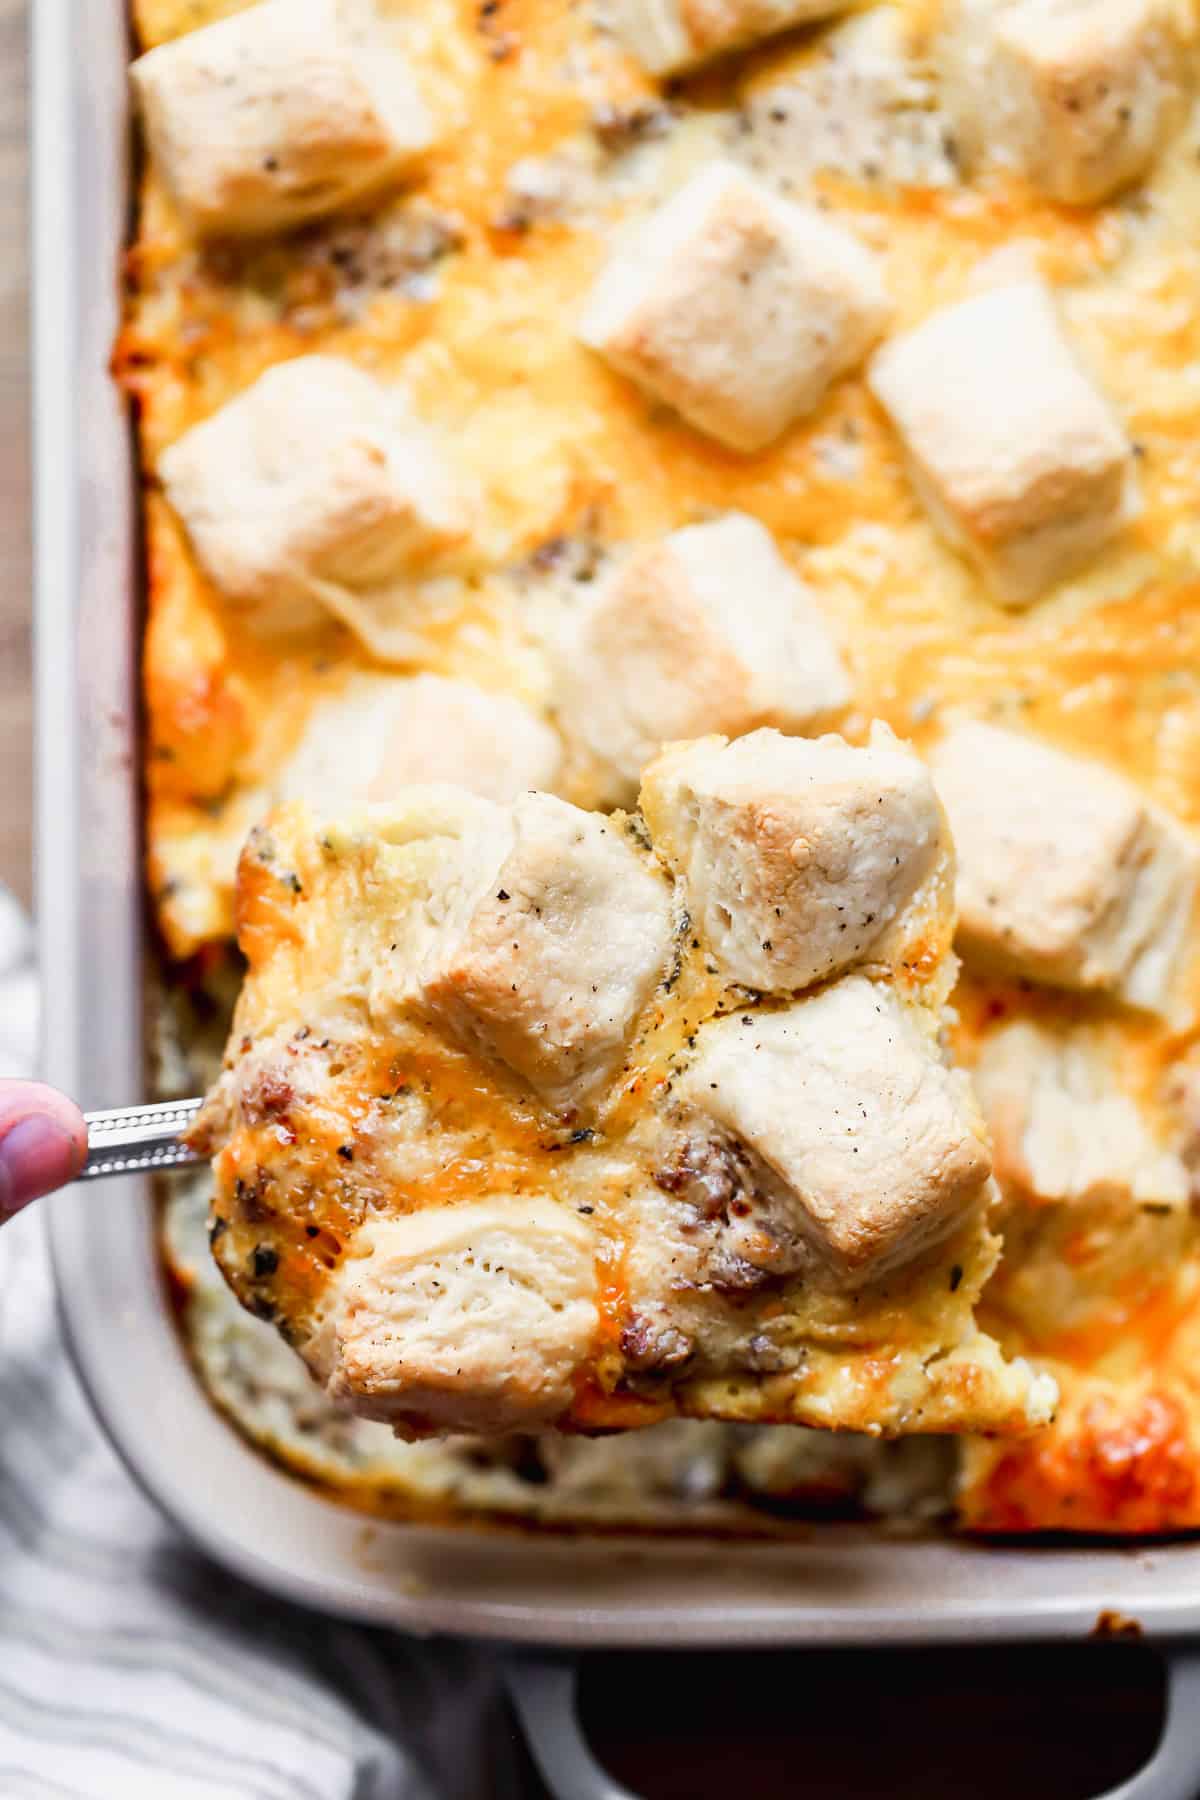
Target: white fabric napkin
x,y
131,1667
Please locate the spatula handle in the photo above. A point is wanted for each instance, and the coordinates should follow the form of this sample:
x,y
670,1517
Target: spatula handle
x,y
127,1140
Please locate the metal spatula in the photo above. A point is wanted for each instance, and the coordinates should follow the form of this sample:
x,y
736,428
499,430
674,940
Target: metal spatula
x,y
126,1140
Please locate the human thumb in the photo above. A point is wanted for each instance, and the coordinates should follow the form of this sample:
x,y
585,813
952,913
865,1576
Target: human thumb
x,y
43,1142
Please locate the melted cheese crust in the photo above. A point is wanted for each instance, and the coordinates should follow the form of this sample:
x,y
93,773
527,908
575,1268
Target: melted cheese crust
x,y
550,140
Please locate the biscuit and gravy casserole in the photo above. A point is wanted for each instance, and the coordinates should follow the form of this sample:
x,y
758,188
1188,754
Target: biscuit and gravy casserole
x,y
672,669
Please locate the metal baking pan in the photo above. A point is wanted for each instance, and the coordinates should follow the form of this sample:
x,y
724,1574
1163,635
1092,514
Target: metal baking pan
x,y
837,1586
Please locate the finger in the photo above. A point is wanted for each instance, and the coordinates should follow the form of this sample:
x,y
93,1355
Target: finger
x,y
43,1142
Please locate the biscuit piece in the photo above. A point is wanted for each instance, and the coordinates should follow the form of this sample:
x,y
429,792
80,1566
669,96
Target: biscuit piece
x,y
383,733
797,856
315,475
554,951
736,308
462,1318
1076,95
667,36
1016,455
844,1098
277,115
707,630
1062,1127
1066,873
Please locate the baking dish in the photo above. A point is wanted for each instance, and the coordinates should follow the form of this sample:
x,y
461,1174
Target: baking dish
x,y
839,1586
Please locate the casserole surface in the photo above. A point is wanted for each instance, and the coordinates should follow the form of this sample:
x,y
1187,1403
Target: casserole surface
x,y
512,221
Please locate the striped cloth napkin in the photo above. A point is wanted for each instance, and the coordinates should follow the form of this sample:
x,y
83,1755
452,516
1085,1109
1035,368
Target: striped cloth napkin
x,y
131,1668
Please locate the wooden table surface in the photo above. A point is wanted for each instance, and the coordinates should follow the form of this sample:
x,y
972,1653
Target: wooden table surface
x,y
16,705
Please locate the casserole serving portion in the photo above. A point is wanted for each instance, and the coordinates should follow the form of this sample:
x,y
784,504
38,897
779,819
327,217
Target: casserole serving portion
x,y
503,1144
528,386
